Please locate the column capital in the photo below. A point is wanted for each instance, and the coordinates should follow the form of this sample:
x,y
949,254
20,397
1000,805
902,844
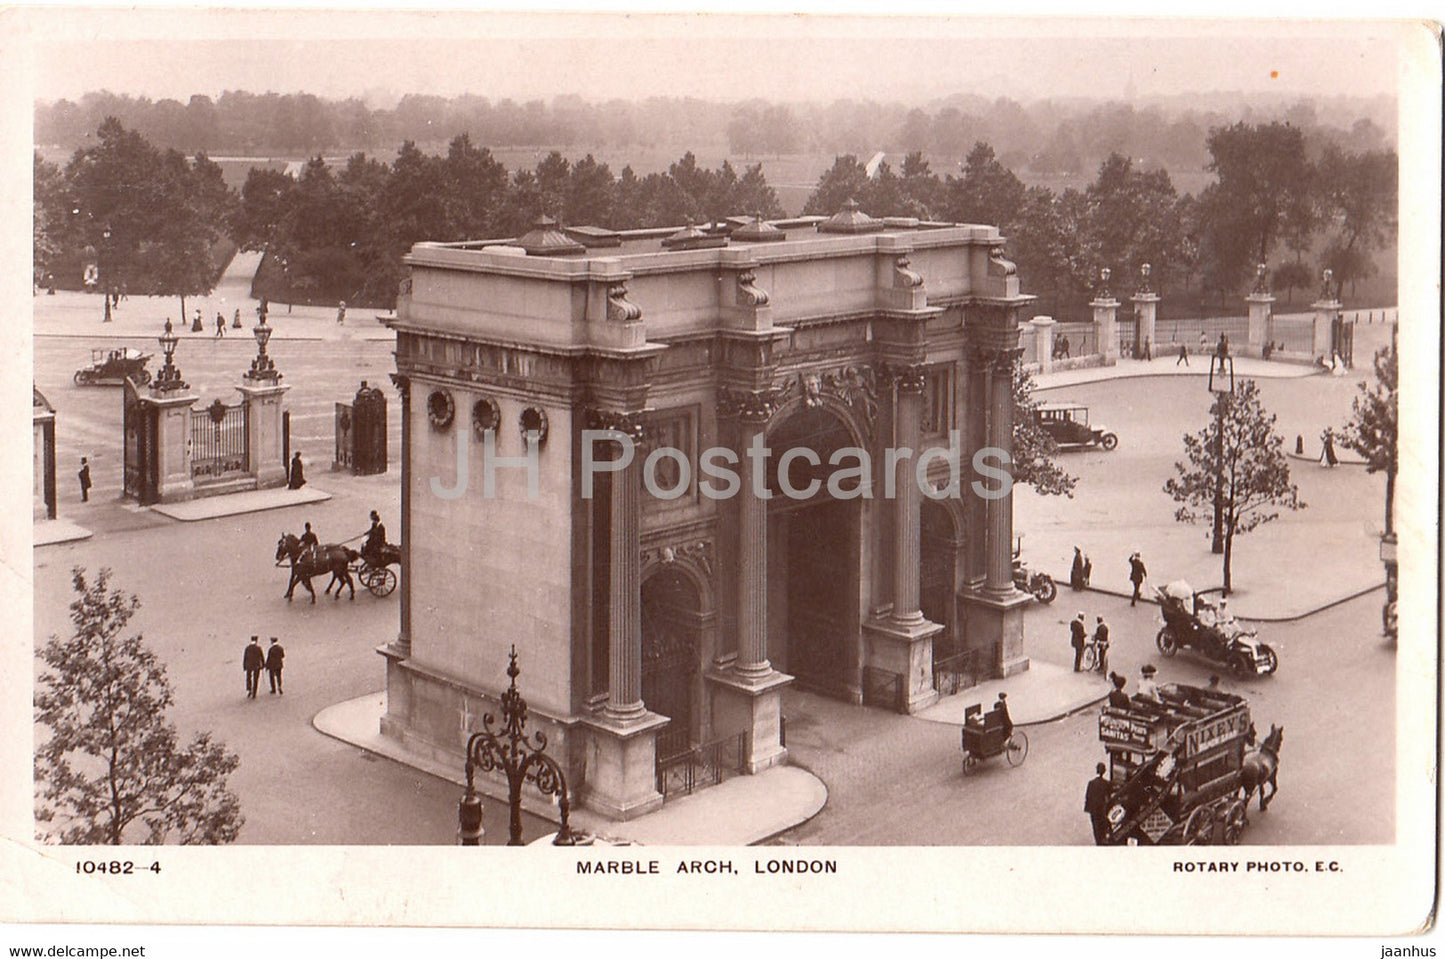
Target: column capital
x,y
614,421
749,406
908,377
402,382
995,358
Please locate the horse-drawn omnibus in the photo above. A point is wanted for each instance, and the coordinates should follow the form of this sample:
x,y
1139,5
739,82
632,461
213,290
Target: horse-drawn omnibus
x,y
1177,767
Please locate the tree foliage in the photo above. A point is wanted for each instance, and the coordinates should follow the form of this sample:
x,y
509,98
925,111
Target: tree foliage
x,y
1374,428
1245,462
109,767
1033,449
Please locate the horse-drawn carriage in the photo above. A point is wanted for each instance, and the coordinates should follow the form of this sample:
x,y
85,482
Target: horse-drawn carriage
x,y
1178,765
342,562
1192,621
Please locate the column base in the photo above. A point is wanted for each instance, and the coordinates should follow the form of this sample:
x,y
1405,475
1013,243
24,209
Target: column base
x,y
905,649
753,707
995,630
621,766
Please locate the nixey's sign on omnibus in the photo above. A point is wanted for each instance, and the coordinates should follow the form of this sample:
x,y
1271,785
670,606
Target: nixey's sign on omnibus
x,y
1215,731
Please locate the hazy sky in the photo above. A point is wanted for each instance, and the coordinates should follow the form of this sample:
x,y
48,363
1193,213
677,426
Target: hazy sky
x,y
799,57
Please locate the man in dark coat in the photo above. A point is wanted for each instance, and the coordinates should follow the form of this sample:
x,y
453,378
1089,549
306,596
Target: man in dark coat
x,y
1000,707
297,478
253,661
1101,644
1137,573
275,658
375,546
1078,636
1076,571
84,476
1096,804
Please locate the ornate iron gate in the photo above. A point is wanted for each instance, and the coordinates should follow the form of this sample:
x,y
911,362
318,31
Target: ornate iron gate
x,y
138,425
218,441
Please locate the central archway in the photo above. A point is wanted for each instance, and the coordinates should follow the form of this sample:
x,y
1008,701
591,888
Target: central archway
x,y
814,558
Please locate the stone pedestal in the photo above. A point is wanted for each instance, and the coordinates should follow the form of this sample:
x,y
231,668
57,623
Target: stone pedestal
x,y
997,625
1044,341
173,445
1146,308
1106,326
905,650
1260,305
753,707
265,457
1325,312
621,766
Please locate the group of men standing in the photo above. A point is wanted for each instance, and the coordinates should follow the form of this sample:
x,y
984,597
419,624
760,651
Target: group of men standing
x,y
255,659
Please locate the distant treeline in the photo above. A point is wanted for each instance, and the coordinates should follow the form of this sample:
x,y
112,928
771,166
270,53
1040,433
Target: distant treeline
x,y
1046,137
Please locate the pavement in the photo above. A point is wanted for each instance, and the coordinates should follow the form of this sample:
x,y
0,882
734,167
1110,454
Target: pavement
x,y
49,532
1245,367
76,314
234,504
740,811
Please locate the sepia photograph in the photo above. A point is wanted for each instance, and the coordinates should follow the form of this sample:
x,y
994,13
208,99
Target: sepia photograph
x,y
822,473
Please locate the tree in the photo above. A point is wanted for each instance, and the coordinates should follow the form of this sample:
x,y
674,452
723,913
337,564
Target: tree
x,y
112,769
1244,465
841,182
1374,429
987,193
1359,192
1034,449
1262,174
49,215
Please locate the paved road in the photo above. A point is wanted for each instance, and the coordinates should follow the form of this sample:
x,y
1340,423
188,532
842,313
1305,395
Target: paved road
x,y
895,780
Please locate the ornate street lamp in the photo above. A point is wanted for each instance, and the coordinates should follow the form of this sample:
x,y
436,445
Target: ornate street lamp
x,y
109,283
1223,389
263,369
1144,271
521,759
168,377
1104,275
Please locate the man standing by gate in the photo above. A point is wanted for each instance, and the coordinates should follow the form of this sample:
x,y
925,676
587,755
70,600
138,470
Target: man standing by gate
x,y
1078,636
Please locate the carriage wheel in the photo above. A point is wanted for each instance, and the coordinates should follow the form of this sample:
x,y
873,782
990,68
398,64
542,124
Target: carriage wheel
x,y
1197,827
1234,821
1270,657
1166,641
1091,657
969,761
1017,748
381,582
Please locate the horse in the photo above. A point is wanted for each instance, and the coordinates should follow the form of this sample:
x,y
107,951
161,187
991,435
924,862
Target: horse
x,y
1261,768
305,564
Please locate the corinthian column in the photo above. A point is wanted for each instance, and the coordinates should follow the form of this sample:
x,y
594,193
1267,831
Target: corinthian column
x,y
998,568
624,607
907,497
754,410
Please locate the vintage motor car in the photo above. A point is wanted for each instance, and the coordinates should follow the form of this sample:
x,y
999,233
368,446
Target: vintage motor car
x,y
1068,425
1192,621
111,367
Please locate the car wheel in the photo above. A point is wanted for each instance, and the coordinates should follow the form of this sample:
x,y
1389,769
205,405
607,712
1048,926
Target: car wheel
x,y
1044,589
1109,441
1167,643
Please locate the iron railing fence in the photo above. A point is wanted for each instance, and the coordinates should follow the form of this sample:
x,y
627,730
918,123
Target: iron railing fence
x,y
218,441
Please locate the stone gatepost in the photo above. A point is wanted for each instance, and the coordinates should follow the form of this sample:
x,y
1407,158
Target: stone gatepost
x,y
262,392
1106,321
1260,306
1146,309
173,444
1326,308
1044,341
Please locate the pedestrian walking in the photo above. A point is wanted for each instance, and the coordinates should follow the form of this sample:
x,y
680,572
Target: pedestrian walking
x,y
253,660
1183,355
1076,571
1203,342
275,657
1327,448
1137,574
1078,636
236,323
1101,644
1096,804
196,325
297,477
1118,699
1148,349
341,313
84,476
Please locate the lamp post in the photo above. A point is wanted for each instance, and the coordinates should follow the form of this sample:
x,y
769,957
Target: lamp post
x,y
105,265
169,377
1222,389
520,757
263,368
